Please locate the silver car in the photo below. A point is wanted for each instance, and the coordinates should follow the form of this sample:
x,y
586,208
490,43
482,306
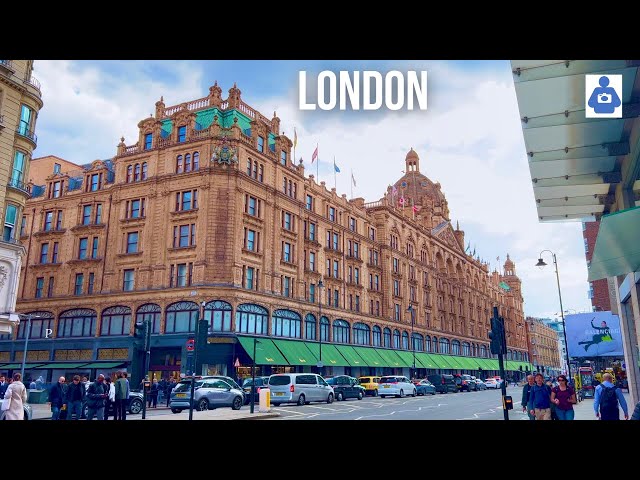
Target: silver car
x,y
209,393
300,388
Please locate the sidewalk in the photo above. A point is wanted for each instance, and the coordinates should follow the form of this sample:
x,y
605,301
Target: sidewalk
x,y
584,409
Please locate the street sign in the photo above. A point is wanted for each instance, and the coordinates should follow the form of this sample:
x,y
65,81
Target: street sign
x,y
319,364
191,345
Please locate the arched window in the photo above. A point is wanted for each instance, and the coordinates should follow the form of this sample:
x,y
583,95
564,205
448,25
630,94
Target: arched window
x,y
179,164
129,173
39,326
116,321
455,347
418,342
435,344
181,317
80,322
361,334
136,173
340,331
252,318
405,341
324,329
387,338
144,170
187,162
396,339
310,327
444,346
196,161
483,351
285,323
151,312
377,336
466,349
427,343
217,313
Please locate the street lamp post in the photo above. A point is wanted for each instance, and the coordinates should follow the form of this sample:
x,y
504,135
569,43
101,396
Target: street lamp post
x,y
195,359
29,317
253,375
541,263
320,287
413,347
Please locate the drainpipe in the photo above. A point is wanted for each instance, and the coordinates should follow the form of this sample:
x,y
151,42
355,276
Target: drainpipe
x,y
106,242
26,266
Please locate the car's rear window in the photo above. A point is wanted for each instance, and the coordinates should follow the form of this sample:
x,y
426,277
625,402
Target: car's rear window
x,y
388,380
280,380
365,380
331,381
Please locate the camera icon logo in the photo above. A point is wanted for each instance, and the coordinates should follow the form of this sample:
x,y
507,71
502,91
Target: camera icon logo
x,y
603,96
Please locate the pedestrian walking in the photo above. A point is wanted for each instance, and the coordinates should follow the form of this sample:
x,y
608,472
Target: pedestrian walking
x,y
110,401
76,395
121,396
153,394
170,386
527,406
14,399
3,385
57,396
563,397
554,416
32,384
541,394
96,396
607,399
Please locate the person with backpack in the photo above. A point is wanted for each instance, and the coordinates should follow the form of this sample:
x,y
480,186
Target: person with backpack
x,y
607,399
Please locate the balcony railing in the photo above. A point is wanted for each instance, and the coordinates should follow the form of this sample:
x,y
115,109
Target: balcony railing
x,y
7,65
1,121
23,187
33,81
30,134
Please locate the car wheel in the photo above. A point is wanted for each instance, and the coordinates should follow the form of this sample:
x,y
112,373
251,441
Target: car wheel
x,y
360,395
301,399
237,403
275,404
414,393
330,398
203,405
375,392
339,396
401,393
135,406
383,396
176,410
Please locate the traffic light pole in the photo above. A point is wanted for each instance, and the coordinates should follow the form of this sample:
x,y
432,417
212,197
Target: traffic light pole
x,y
147,359
499,347
503,386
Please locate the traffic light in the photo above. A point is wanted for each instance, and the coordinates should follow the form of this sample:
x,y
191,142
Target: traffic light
x,y
508,402
141,335
497,336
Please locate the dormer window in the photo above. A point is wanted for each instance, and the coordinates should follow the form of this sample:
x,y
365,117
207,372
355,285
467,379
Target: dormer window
x,y
148,141
55,189
182,133
94,182
261,144
56,168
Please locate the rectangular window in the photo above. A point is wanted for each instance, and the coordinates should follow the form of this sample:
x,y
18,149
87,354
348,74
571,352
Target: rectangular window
x,y
396,265
336,298
98,213
372,233
312,232
328,267
17,174
376,282
312,261
261,173
148,141
312,293
249,278
92,278
378,308
95,182
94,248
127,280
39,286
23,226
283,157
250,240
182,133
57,189
249,163
44,253
48,221
309,203
332,214
356,272
357,303
135,208
78,285
396,311
371,281
260,144
187,200
24,127
336,269
59,220
251,206
181,279
286,222
286,286
356,249
286,252
352,224
10,222
82,248
86,215
56,168
50,287
396,288
336,241
132,242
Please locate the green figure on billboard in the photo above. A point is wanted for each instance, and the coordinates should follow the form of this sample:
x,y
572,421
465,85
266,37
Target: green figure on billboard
x,y
603,335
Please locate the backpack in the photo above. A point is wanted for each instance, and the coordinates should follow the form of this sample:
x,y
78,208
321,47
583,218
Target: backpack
x,y
608,400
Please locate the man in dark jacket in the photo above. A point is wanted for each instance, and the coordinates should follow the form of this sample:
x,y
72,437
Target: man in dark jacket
x,y
541,395
57,396
75,397
96,395
526,396
3,386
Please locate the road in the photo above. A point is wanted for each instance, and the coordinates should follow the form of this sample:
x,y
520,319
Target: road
x,y
482,405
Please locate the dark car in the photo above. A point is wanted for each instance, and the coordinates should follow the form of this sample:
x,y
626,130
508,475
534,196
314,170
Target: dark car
x,y
261,382
424,387
345,387
465,383
133,407
444,383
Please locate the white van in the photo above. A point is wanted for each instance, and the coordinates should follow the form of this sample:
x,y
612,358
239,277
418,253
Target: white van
x,y
300,388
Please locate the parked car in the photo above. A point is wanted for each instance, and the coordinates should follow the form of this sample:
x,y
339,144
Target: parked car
x,y
396,385
491,383
300,388
444,383
261,382
209,393
28,412
133,408
424,387
465,383
345,387
370,385
480,384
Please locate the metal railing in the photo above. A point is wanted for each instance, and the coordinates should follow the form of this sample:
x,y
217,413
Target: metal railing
x,y
30,134
6,64
1,120
23,187
33,81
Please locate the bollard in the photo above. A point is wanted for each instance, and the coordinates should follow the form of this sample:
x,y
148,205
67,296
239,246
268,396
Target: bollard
x,y
265,400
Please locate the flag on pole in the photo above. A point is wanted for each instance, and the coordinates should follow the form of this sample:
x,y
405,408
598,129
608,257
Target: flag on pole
x,y
466,250
394,191
353,180
416,209
315,154
295,137
335,167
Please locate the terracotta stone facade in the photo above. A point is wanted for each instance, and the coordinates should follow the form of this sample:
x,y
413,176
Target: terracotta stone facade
x,y
208,206
543,345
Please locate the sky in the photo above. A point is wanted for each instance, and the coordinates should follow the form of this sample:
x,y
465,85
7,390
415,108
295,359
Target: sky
x,y
469,139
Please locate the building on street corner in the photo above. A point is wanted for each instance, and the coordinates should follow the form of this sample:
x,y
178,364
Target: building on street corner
x,y
20,102
544,347
207,215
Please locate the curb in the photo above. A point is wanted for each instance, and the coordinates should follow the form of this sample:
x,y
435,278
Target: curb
x,y
261,417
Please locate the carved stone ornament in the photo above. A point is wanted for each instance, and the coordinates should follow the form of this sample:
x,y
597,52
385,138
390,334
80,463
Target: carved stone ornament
x,y
3,276
224,153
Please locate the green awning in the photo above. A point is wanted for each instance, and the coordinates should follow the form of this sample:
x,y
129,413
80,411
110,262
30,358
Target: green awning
x,y
330,355
351,356
453,361
407,358
90,365
296,353
72,365
391,358
18,366
617,249
426,361
443,361
467,362
492,364
370,357
266,351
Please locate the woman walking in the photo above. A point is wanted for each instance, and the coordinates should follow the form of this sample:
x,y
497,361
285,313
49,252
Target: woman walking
x,y
563,396
15,397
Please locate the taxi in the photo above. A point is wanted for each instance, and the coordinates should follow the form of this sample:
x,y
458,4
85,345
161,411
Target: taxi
x,y
370,385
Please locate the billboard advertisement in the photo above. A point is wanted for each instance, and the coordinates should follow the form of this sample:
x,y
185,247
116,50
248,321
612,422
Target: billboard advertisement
x,y
595,334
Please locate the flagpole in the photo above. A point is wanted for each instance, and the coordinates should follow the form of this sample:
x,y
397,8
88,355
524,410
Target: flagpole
x,y
318,165
352,184
295,138
335,174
